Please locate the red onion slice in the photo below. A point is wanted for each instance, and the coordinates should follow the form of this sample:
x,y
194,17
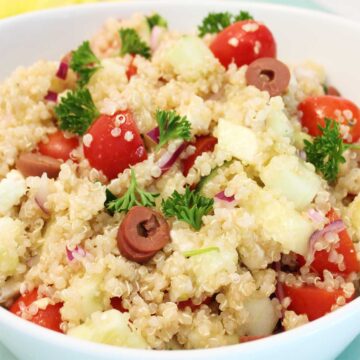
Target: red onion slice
x,y
154,134
62,70
334,227
155,37
51,96
64,66
78,251
279,290
42,193
168,159
221,196
301,154
316,216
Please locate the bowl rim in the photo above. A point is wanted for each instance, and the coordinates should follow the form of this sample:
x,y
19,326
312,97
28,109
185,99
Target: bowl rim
x,y
82,346
41,334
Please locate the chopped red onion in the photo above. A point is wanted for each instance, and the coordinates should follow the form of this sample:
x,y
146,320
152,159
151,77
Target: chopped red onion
x,y
64,66
155,37
279,290
51,96
168,159
154,134
302,154
71,255
62,70
221,196
334,227
42,193
316,216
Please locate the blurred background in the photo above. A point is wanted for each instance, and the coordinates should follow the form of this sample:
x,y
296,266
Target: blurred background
x,y
348,8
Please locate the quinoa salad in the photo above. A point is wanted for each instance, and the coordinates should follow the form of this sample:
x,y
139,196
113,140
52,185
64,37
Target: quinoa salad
x,y
163,190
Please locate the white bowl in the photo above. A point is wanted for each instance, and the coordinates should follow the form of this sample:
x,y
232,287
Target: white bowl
x,y
300,35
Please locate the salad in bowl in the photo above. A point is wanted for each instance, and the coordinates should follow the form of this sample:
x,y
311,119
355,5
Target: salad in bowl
x,y
163,190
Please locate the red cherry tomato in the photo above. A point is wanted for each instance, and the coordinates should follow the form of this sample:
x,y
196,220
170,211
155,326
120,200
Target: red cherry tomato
x,y
248,338
314,110
243,42
115,144
183,304
58,146
345,248
202,144
116,303
49,318
132,70
312,301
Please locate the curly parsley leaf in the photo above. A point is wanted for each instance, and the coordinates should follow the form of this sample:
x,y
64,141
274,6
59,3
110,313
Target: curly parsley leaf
x,y
172,126
133,196
131,43
76,111
243,15
215,22
156,20
109,198
85,63
189,207
326,151
196,252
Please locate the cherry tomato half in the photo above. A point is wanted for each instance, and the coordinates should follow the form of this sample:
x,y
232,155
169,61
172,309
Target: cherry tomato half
x,y
49,317
312,301
345,248
114,144
58,146
243,42
116,303
202,144
131,70
183,304
314,110
248,338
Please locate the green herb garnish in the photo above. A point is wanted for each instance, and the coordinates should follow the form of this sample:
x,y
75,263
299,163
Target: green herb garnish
x,y
133,196
195,252
215,22
131,43
76,111
326,151
156,20
189,207
214,172
109,198
85,63
243,15
172,126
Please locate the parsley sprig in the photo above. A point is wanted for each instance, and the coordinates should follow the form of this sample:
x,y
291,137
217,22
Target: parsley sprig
x,y
131,43
109,198
156,20
172,126
326,151
201,251
133,196
76,111
215,22
189,207
85,63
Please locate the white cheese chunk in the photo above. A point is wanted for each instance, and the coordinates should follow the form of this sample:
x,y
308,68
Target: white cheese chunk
x,y
289,176
12,188
240,141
